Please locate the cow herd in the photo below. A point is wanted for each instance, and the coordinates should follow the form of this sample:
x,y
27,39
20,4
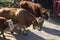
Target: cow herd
x,y
23,16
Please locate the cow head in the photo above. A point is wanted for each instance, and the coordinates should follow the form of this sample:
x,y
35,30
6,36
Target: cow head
x,y
45,14
24,5
38,23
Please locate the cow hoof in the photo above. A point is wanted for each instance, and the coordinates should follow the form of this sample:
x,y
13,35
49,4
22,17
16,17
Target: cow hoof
x,y
0,34
25,33
39,29
4,37
33,27
12,33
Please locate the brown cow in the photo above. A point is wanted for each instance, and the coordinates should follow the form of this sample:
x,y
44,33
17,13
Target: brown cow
x,y
3,25
19,16
35,9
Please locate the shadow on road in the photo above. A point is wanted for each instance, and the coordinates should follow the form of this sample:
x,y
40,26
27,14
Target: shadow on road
x,y
3,38
51,31
30,36
55,20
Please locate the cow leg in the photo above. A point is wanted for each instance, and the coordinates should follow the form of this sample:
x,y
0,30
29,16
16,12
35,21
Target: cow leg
x,y
33,22
39,28
23,31
12,32
2,32
33,27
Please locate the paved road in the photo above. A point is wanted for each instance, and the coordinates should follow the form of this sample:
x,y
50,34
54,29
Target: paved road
x,y
50,31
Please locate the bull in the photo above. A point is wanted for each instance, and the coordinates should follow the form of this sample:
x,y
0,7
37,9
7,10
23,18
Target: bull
x,y
35,9
18,16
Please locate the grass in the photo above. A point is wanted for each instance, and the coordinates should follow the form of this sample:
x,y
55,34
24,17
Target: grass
x,y
6,0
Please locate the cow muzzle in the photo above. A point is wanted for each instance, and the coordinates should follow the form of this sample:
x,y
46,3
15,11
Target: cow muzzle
x,y
48,13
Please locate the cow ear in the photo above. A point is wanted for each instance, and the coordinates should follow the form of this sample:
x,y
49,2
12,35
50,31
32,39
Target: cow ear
x,y
26,3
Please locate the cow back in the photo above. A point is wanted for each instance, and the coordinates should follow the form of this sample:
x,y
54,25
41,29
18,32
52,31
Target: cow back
x,y
19,16
24,17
